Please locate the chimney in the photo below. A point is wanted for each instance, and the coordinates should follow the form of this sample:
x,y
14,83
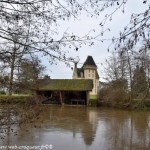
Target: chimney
x,y
75,75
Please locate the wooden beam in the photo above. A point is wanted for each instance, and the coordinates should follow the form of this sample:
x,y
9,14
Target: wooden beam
x,y
87,98
61,99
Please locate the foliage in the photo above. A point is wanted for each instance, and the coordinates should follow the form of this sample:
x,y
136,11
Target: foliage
x,y
3,82
132,46
2,93
115,92
19,99
139,82
16,115
123,63
21,71
130,49
93,102
28,74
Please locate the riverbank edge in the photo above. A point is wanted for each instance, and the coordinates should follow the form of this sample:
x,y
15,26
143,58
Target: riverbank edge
x,y
134,104
17,99
29,99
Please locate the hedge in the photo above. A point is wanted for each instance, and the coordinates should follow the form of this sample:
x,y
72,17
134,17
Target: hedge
x,y
4,99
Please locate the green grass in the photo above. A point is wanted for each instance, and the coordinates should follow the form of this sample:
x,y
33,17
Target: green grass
x,y
93,97
93,100
21,95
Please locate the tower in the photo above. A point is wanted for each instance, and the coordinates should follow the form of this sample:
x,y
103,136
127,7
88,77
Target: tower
x,y
88,71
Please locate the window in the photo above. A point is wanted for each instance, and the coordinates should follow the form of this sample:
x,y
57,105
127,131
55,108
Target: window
x,y
92,75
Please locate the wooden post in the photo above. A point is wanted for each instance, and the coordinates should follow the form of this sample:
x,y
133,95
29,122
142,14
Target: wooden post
x,y
87,98
61,100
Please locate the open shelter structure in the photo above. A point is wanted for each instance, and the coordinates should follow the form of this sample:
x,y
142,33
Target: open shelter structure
x,y
64,91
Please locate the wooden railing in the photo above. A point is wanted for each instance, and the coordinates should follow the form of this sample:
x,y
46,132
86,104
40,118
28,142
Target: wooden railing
x,y
78,101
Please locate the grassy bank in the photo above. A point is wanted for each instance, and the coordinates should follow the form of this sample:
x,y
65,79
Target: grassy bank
x,y
134,104
93,102
28,99
16,99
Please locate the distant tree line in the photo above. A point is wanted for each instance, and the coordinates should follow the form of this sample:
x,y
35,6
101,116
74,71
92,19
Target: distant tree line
x,y
21,77
127,76
127,70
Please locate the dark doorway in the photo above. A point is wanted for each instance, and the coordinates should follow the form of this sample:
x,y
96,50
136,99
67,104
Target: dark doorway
x,y
65,97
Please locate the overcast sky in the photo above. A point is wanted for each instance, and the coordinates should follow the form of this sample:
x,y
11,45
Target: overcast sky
x,y
99,50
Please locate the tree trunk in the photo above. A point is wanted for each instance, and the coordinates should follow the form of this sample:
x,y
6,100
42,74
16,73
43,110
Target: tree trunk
x,y
130,75
147,90
12,67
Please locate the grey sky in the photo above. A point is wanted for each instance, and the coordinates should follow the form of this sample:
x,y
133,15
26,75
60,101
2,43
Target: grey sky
x,y
99,50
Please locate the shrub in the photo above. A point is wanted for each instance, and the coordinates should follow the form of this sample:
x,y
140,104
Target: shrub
x,y
2,93
93,102
16,99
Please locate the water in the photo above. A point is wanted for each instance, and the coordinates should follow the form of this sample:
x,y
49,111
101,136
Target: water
x,y
83,128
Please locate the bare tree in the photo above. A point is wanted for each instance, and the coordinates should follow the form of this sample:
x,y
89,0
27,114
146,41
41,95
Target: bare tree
x,y
11,55
40,20
30,70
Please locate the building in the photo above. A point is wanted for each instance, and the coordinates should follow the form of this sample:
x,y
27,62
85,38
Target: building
x,y
79,90
63,91
88,71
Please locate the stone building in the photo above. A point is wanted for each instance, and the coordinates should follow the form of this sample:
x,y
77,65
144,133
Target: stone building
x,y
88,71
77,91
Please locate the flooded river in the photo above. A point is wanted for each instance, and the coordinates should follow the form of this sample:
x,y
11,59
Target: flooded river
x,y
81,128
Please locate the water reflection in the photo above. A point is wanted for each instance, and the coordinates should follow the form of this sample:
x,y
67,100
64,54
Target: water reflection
x,y
126,130
82,128
75,120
